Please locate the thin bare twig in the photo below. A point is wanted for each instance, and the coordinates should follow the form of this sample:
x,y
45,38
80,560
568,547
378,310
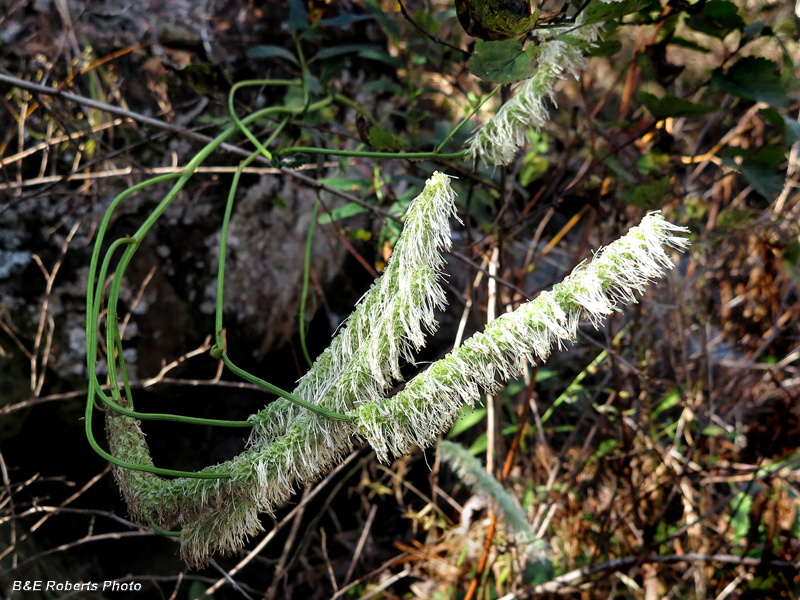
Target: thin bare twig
x,y
291,515
563,583
361,541
121,112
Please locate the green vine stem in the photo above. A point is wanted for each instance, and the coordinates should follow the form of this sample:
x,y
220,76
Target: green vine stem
x,y
94,304
304,293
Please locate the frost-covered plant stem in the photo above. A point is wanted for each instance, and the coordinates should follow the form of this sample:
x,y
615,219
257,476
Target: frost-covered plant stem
x,y
431,402
292,447
561,52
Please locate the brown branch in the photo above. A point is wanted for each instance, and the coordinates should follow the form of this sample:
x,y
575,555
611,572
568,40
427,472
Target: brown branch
x,y
121,112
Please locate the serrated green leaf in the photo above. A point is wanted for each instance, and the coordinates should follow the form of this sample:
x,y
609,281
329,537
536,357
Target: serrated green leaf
x,y
270,51
600,12
605,48
717,19
672,106
754,78
502,62
652,195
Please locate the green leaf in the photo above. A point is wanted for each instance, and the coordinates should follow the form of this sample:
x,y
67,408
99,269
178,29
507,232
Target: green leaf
x,y
771,155
298,17
344,20
792,130
346,184
429,22
605,48
389,24
670,400
502,62
754,78
757,29
197,590
292,161
759,167
672,106
382,56
740,519
346,49
383,141
717,19
689,44
469,420
652,161
762,178
382,85
652,195
601,12
270,51
342,212
480,445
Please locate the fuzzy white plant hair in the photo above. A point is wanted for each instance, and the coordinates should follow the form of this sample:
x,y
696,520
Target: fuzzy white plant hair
x,y
354,374
388,323
561,52
291,446
471,472
432,401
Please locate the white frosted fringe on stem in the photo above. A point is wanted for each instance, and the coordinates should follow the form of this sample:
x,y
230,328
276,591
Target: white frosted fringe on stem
x,y
470,470
291,446
218,515
431,402
497,142
388,323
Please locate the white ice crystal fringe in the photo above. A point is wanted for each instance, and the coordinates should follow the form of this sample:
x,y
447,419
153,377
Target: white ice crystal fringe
x,y
471,472
388,323
497,142
218,515
431,402
290,446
